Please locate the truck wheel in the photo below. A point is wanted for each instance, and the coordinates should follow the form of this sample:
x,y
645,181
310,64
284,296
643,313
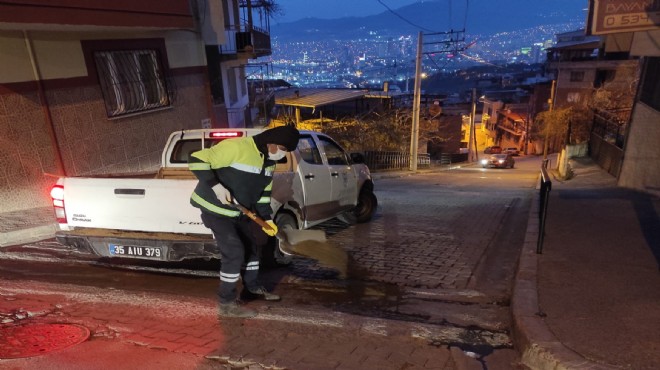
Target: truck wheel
x,y
366,207
348,217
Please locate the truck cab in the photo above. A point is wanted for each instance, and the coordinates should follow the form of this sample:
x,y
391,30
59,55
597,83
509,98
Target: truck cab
x,y
316,182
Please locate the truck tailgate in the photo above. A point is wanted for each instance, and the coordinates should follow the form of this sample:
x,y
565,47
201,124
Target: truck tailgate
x,y
155,205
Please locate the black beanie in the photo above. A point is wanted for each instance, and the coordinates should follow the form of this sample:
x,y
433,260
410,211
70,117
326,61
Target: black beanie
x,y
286,136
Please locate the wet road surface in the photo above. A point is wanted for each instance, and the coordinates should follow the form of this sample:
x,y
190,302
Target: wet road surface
x,y
432,271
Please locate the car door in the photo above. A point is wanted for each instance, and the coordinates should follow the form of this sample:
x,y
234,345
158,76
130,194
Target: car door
x,y
314,180
342,175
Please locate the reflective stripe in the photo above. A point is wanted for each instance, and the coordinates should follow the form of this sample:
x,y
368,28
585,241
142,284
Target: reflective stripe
x,y
269,187
230,278
199,166
213,208
264,200
268,173
246,168
251,266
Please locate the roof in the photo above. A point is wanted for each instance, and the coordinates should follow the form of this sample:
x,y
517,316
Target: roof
x,y
578,45
312,98
576,40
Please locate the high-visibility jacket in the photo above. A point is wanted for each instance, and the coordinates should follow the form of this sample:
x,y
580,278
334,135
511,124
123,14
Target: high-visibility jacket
x,y
241,168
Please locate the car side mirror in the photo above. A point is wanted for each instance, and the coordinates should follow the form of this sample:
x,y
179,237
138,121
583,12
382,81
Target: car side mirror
x,y
357,158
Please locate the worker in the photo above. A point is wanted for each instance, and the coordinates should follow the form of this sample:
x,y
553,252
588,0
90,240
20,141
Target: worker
x,y
239,170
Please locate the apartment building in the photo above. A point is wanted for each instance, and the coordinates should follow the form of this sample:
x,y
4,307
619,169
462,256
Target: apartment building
x,y
95,87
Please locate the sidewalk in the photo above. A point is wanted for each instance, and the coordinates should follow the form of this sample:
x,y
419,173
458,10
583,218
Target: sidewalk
x,y
27,225
591,300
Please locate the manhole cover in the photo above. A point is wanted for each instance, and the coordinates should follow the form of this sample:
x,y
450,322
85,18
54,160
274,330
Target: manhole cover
x,y
39,339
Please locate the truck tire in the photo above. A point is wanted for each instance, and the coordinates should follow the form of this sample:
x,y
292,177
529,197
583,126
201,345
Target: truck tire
x,y
271,255
366,207
348,217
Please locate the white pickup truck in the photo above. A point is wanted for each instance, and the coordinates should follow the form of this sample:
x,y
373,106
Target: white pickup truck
x,y
151,217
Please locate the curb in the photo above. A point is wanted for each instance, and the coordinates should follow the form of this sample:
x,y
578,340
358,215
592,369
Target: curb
x,y
404,173
538,346
28,235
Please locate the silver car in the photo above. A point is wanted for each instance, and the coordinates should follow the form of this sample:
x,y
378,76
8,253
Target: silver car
x,y
498,161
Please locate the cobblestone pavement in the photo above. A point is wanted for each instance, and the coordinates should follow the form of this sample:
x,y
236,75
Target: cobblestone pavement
x,y
409,302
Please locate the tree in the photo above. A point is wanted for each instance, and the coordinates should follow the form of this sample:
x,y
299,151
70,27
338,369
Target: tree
x,y
572,123
385,131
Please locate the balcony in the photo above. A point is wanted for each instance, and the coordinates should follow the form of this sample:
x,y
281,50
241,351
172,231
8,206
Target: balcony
x,y
246,44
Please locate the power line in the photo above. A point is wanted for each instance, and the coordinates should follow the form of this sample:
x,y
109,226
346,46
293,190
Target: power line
x,y
402,18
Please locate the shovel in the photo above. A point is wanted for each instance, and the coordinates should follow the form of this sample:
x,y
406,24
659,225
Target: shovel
x,y
305,243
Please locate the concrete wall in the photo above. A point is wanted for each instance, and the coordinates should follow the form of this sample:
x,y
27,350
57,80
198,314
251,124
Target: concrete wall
x,y
641,169
60,54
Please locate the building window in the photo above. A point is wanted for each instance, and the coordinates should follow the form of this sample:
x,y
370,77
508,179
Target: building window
x,y
650,92
577,76
573,97
131,81
604,76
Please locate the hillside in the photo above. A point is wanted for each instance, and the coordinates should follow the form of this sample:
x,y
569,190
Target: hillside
x,y
484,17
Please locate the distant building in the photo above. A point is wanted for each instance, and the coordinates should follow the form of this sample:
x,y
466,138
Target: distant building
x,y
589,66
506,116
641,130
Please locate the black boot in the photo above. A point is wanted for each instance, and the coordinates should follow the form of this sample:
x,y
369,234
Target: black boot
x,y
232,309
261,293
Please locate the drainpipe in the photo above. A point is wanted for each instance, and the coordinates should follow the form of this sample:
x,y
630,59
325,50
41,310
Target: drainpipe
x,y
50,127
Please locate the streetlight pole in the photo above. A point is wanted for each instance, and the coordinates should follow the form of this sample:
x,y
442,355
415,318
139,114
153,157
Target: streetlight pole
x,y
414,133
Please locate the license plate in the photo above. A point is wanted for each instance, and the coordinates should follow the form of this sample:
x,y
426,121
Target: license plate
x,y
136,251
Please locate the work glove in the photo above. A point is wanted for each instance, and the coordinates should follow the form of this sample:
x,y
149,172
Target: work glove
x,y
223,195
272,231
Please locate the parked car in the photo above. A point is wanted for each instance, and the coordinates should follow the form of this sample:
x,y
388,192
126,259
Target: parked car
x,y
498,161
512,151
493,150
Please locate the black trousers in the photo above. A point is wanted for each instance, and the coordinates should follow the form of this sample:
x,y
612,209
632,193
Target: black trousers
x,y
239,253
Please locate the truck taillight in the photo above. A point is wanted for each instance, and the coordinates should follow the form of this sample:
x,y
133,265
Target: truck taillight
x,y
57,194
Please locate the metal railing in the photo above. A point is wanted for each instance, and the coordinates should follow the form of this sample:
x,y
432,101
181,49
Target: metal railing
x,y
546,186
379,161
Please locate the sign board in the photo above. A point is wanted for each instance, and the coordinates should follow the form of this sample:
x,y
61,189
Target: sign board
x,y
614,16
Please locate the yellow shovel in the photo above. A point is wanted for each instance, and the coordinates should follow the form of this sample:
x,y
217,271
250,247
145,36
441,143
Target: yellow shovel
x,y
305,243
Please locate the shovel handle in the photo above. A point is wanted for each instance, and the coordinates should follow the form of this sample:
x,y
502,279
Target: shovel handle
x,y
253,216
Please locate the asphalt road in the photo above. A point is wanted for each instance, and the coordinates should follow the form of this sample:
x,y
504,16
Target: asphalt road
x,y
429,278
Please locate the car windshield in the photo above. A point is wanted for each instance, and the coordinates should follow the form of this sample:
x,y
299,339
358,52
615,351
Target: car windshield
x,y
498,156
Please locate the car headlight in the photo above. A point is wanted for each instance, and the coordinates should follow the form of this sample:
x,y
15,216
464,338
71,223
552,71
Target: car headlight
x,y
484,161
501,161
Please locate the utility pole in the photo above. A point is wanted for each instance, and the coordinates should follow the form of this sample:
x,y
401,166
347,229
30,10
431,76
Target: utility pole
x,y
472,151
551,103
445,46
414,134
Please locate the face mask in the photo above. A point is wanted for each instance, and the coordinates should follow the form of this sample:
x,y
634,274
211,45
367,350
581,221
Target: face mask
x,y
277,155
